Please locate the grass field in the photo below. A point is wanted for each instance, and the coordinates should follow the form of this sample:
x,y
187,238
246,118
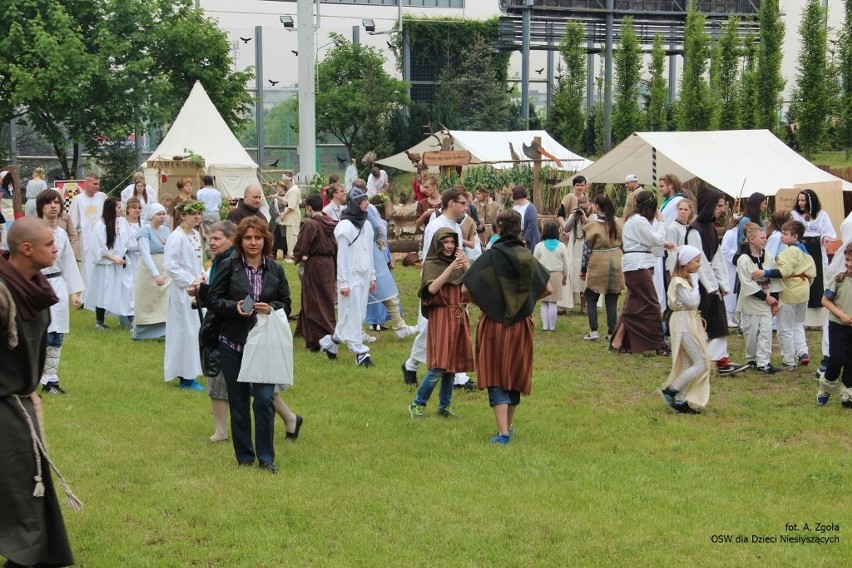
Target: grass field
x,y
599,471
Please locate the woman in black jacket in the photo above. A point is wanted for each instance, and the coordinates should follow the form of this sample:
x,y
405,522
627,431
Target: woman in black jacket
x,y
249,273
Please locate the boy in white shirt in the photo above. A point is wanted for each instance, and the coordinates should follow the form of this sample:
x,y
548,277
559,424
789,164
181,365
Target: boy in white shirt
x,y
756,304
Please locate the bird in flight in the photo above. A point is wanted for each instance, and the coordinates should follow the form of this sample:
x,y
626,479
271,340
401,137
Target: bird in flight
x,y
294,52
273,83
539,70
275,163
245,39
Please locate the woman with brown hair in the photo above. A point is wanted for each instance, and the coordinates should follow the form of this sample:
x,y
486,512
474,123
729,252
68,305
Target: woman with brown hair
x,y
601,264
182,263
640,327
139,189
249,274
184,186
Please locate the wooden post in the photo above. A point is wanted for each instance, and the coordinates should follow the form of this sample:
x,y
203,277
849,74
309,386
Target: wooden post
x,y
537,199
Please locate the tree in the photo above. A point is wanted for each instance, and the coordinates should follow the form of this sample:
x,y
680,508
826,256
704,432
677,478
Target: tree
x,y
811,79
281,128
84,72
729,91
356,96
748,82
626,114
657,87
475,93
844,126
567,118
714,84
770,83
695,108
191,47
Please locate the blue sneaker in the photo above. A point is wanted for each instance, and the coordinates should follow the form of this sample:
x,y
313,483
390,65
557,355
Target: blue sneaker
x,y
191,385
822,398
668,395
502,440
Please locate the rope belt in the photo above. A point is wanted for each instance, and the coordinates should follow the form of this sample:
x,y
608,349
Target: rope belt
x,y
610,250
459,310
73,502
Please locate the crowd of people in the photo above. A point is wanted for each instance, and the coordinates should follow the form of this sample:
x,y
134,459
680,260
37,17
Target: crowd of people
x,y
142,260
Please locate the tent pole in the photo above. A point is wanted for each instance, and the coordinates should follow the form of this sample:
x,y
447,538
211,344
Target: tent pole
x,y
258,94
653,167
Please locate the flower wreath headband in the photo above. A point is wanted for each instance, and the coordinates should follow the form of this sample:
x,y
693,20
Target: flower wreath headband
x,y
191,207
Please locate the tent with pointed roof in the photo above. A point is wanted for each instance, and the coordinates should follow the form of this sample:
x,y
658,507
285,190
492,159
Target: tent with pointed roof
x,y
200,128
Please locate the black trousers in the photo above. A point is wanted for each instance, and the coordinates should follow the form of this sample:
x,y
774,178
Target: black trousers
x,y
839,339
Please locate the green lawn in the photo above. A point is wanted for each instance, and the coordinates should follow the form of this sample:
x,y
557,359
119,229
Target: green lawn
x,y
835,159
599,471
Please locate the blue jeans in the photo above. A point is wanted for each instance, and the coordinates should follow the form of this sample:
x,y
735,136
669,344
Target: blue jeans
x,y
238,403
54,339
498,396
445,394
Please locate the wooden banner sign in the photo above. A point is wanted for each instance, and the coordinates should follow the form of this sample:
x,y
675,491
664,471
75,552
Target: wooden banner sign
x,y
830,194
447,158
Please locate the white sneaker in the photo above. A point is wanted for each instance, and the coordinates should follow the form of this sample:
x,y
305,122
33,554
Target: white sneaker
x,y
406,331
591,336
367,338
288,260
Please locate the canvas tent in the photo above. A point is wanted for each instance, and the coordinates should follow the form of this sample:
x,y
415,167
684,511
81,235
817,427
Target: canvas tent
x,y
490,148
199,127
737,162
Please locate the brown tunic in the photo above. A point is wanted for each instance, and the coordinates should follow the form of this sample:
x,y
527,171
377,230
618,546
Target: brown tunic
x,y
603,273
242,211
504,354
448,339
31,528
317,244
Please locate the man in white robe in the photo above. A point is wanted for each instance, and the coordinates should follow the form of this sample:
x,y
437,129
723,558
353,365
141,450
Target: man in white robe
x,y
85,212
356,277
670,190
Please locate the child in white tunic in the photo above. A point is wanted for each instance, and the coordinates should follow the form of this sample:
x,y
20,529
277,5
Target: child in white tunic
x,y
757,301
688,386
356,278
553,255
65,279
182,262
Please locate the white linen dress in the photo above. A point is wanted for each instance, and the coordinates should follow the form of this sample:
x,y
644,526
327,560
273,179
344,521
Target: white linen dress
x,y
182,263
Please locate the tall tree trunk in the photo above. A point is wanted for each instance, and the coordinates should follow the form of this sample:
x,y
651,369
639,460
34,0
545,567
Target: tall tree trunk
x,y
76,157
63,160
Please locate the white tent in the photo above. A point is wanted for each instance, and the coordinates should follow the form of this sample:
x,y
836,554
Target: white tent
x,y
491,148
737,162
199,127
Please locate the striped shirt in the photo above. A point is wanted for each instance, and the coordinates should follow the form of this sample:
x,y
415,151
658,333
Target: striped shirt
x,y
255,278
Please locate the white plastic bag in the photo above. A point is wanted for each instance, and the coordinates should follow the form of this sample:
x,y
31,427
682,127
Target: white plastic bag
x,y
268,352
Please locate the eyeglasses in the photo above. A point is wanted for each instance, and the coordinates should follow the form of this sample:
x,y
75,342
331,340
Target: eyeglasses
x,y
461,202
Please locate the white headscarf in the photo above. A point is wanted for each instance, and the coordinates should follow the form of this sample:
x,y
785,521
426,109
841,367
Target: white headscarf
x,y
151,210
686,253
